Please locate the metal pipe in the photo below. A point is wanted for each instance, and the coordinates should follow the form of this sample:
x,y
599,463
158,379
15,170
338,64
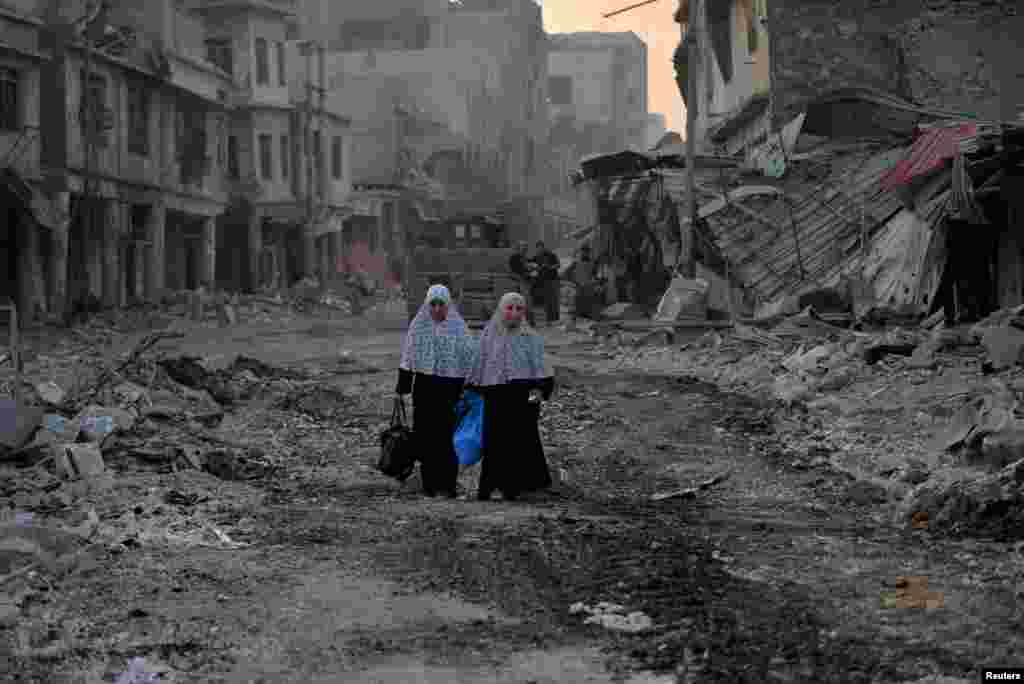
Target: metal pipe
x,y
15,354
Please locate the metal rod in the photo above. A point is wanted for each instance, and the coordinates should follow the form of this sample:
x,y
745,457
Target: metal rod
x,y
628,8
15,354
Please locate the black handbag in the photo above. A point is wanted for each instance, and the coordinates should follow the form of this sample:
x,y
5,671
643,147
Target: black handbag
x,y
396,447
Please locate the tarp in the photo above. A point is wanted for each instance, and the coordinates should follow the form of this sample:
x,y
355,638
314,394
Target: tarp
x,y
930,151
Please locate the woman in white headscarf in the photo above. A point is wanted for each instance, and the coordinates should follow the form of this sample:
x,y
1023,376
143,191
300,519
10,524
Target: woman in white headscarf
x,y
513,376
436,356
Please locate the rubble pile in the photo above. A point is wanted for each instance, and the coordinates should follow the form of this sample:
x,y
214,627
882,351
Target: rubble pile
x,y
917,411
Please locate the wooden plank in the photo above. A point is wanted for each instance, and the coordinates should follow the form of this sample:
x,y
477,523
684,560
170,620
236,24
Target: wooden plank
x,y
693,324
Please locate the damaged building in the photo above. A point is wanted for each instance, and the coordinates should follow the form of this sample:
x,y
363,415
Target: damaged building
x,y
843,179
113,167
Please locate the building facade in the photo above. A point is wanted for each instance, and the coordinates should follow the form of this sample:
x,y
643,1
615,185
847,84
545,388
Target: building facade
x,y
116,159
26,231
286,150
600,79
734,75
959,56
954,56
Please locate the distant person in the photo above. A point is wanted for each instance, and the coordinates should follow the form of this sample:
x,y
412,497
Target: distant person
x,y
522,267
548,286
583,274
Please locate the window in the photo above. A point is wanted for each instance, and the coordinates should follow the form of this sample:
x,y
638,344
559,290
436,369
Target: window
x,y
282,74
191,143
388,227
262,62
374,230
220,53
94,114
234,171
138,118
10,101
336,157
222,140
285,156
266,162
318,169
560,90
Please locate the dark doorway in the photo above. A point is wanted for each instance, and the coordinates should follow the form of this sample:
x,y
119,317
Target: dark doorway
x,y
9,215
78,249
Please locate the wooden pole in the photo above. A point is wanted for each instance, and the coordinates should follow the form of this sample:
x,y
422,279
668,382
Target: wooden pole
x,y
688,266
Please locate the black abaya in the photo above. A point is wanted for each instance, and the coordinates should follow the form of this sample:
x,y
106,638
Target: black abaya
x,y
433,419
512,459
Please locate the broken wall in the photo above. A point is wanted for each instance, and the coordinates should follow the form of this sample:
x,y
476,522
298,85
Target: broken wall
x,y
961,55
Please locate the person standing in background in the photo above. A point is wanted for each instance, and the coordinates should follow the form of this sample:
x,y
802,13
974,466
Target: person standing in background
x,y
547,282
520,265
583,274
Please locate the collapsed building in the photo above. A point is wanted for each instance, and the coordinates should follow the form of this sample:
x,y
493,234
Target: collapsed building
x,y
892,204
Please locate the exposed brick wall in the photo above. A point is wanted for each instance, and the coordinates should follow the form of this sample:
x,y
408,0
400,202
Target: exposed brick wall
x,y
955,54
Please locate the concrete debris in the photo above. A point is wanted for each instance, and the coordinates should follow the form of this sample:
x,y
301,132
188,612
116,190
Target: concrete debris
x,y
684,298
964,503
17,425
1003,345
50,393
623,311
79,461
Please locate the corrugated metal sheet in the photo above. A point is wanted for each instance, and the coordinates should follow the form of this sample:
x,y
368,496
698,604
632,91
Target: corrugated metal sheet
x,y
811,231
928,153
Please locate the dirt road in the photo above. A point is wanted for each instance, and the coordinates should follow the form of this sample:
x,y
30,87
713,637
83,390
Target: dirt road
x,y
777,574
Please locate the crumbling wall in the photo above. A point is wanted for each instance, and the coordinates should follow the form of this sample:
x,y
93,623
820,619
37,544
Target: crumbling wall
x,y
961,55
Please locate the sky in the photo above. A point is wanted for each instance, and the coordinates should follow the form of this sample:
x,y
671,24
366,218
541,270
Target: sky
x,y
655,26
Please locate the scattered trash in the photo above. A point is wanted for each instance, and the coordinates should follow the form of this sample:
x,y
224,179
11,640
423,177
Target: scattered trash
x,y
911,591
141,672
613,616
99,422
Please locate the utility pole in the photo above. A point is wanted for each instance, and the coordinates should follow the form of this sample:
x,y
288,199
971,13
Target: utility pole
x,y
694,30
308,241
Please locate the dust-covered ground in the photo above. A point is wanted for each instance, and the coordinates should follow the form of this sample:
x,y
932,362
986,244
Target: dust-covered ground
x,y
316,569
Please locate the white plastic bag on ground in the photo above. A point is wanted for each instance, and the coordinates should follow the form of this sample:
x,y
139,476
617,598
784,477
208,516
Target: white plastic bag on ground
x,y
684,297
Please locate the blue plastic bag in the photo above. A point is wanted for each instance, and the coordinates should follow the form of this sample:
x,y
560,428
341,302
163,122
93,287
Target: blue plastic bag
x,y
469,433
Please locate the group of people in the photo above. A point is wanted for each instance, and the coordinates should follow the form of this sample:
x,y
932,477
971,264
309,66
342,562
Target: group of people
x,y
506,366
539,275
539,278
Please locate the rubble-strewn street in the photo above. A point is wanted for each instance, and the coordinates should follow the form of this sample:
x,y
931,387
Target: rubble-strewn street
x,y
226,523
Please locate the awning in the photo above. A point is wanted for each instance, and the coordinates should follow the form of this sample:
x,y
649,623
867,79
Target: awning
x,y
33,201
929,153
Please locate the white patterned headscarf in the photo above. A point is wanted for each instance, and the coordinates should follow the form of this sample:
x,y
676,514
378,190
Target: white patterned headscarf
x,y
443,349
508,354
